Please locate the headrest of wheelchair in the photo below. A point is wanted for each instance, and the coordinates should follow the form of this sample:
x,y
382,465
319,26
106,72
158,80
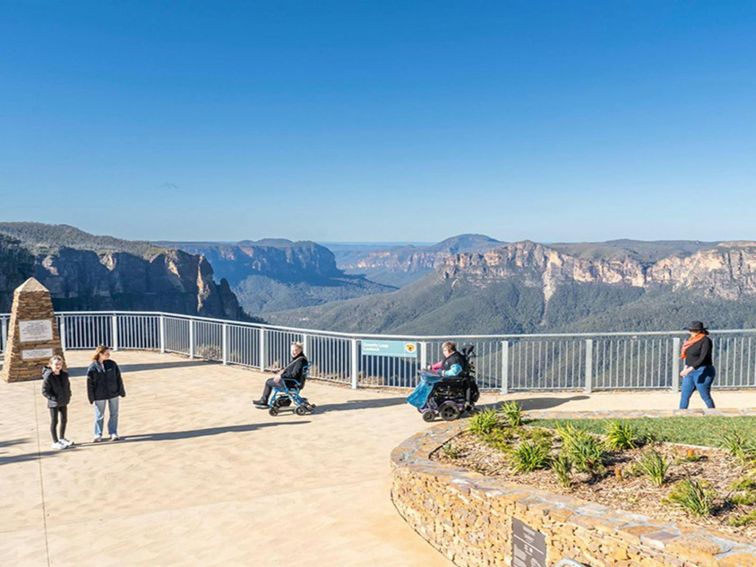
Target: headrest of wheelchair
x,y
467,350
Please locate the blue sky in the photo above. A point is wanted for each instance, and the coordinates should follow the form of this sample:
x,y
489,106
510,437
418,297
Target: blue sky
x,y
386,121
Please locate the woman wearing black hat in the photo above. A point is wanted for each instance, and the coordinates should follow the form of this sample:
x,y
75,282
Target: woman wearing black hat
x,y
699,372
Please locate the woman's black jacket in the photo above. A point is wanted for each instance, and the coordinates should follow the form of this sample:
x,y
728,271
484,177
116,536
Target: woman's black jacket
x,y
104,381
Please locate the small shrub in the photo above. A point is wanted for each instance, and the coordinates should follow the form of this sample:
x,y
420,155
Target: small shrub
x,y
451,451
744,491
536,434
484,423
744,451
743,520
654,466
585,452
512,413
529,456
500,439
562,467
566,432
621,436
694,496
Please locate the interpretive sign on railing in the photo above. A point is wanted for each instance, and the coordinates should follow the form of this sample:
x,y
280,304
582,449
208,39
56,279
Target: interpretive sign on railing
x,y
389,348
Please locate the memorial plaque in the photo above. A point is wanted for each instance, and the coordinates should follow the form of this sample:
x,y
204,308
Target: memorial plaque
x,y
32,333
528,546
35,331
36,354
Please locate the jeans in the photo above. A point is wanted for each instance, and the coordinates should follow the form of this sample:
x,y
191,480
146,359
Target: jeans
x,y
99,409
699,379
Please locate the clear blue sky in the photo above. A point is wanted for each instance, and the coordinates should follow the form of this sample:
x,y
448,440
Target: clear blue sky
x,y
360,121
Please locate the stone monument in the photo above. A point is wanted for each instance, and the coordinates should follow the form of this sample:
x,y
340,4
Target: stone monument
x,y
32,333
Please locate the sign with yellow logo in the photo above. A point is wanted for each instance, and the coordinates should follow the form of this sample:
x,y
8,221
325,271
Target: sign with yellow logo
x,y
389,348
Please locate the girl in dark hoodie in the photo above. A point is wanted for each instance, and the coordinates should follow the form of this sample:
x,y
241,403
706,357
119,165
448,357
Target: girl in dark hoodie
x,y
56,387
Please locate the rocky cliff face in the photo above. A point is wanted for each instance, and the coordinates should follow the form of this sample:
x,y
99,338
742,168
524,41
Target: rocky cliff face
x,y
727,271
270,275
279,259
79,279
171,281
16,265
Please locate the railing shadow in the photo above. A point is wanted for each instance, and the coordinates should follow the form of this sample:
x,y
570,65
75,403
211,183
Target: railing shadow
x,y
27,457
360,404
11,442
195,433
147,366
536,403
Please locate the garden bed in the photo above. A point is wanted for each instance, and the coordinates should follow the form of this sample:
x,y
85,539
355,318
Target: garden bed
x,y
705,486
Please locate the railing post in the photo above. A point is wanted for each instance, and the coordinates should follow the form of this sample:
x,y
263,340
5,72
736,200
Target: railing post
x,y
504,367
162,333
224,340
191,338
675,364
262,349
305,344
114,332
588,366
62,330
423,355
355,363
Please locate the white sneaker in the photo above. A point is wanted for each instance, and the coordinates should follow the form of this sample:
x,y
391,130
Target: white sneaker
x,y
58,446
114,437
67,442
97,439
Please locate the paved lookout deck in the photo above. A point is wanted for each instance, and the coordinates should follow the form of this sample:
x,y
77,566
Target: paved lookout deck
x,y
204,478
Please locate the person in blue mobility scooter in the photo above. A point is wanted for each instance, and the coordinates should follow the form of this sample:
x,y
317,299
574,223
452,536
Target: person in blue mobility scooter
x,y
285,388
449,389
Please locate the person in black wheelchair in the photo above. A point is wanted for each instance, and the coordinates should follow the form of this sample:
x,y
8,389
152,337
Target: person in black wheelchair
x,y
287,385
449,389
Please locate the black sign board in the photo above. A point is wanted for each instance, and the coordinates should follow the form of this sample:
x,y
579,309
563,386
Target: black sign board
x,y
528,546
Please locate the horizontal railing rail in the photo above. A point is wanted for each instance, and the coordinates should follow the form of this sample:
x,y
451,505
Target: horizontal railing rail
x,y
507,362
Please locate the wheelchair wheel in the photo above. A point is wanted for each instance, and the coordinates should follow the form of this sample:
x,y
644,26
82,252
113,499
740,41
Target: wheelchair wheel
x,y
273,411
449,412
301,410
429,416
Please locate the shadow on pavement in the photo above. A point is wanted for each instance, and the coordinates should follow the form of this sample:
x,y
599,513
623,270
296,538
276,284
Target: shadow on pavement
x,y
360,404
194,433
537,403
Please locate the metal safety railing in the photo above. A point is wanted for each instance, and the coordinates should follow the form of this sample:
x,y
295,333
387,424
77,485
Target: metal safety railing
x,y
583,361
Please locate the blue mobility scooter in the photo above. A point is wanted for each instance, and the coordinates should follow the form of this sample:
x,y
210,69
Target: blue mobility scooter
x,y
288,392
447,397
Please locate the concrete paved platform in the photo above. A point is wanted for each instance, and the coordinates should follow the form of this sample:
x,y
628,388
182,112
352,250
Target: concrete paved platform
x,y
202,478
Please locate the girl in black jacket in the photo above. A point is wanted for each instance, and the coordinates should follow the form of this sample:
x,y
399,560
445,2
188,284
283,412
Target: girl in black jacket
x,y
56,387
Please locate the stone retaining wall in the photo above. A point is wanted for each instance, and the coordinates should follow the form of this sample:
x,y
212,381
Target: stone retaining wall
x,y
468,518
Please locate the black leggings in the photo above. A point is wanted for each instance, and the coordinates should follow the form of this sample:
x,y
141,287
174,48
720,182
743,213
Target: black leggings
x,y
63,411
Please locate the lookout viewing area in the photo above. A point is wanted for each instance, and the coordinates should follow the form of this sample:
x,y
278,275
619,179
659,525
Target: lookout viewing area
x,y
202,477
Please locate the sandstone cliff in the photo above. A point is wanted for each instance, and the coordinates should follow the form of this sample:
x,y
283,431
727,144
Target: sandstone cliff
x,y
727,271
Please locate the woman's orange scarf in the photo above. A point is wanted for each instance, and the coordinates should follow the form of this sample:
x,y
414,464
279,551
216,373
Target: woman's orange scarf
x,y
690,342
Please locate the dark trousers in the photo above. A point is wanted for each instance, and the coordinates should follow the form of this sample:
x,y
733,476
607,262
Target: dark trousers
x,y
54,413
269,385
699,379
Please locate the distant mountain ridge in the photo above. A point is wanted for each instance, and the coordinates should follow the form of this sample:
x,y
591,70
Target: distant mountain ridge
x,y
276,274
402,265
88,272
531,287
